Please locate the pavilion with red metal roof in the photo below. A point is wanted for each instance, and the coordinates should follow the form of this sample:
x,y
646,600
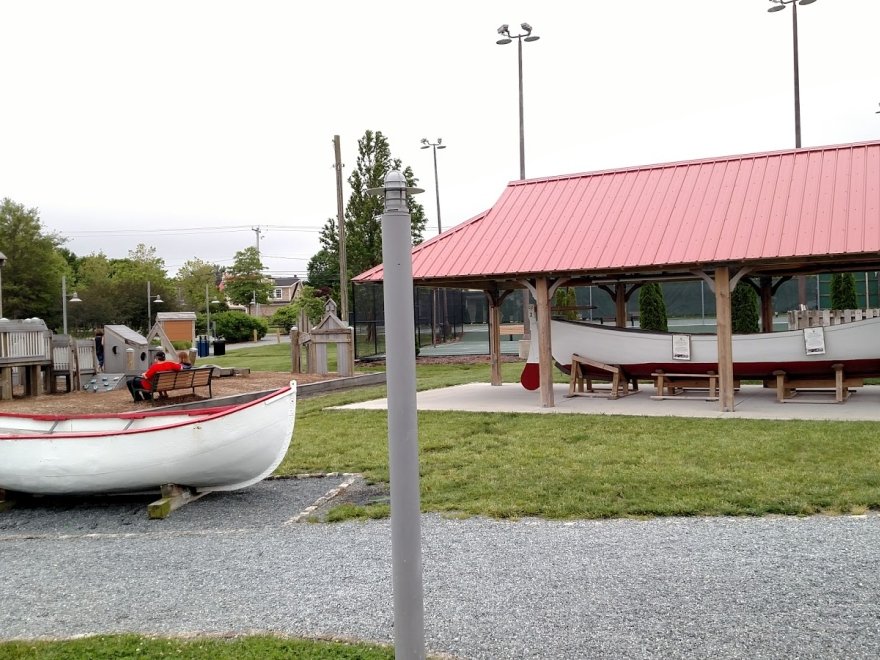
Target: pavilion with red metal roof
x,y
764,217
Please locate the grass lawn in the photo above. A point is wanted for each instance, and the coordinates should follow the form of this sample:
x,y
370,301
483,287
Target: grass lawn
x,y
588,466
103,647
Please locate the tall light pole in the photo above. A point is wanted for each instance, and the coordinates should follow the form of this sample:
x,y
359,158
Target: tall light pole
x,y
2,263
74,299
505,39
150,299
779,5
434,146
208,303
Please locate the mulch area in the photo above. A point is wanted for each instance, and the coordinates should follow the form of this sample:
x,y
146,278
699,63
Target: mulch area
x,y
119,400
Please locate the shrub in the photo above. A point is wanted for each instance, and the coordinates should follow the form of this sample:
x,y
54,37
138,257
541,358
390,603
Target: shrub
x,y
237,326
843,291
652,308
744,309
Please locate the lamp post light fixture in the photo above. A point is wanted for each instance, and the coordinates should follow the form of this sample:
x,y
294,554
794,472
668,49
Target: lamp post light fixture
x,y
64,300
208,312
779,5
403,440
150,300
505,39
2,263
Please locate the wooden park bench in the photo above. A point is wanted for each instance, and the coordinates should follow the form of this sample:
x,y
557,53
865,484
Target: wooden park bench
x,y
511,329
186,379
787,385
674,386
584,371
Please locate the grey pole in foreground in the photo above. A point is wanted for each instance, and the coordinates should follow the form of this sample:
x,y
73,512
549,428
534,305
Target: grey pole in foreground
x,y
403,441
64,302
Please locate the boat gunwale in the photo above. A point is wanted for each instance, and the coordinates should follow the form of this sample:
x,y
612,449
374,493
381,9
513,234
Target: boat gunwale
x,y
199,415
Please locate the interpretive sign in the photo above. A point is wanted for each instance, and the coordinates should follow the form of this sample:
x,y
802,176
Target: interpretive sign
x,y
814,341
681,347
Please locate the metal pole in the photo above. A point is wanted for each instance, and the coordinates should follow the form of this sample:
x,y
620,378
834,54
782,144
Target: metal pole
x,y
522,135
527,330
208,314
340,223
406,550
797,79
149,307
64,302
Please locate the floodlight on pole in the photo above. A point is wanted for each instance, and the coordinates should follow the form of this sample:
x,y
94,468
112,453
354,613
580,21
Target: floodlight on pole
x,y
506,38
779,5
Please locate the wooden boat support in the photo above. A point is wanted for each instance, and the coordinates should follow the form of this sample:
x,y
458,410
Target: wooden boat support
x,y
173,497
787,385
584,372
673,386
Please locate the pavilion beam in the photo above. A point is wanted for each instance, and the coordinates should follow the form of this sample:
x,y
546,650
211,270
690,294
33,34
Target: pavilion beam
x,y
620,304
765,291
495,299
725,338
545,357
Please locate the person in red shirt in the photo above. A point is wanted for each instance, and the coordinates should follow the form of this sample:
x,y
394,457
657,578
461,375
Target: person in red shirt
x,y
140,387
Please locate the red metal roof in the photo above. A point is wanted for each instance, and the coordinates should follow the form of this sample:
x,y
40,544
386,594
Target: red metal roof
x,y
759,207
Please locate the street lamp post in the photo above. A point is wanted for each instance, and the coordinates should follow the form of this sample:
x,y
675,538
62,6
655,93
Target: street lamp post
x,y
2,263
434,146
74,299
150,300
208,304
779,5
505,39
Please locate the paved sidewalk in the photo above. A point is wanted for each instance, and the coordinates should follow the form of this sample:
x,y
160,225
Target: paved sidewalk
x,y
751,402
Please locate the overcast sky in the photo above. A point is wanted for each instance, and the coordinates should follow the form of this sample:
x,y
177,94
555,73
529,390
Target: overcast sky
x,y
184,125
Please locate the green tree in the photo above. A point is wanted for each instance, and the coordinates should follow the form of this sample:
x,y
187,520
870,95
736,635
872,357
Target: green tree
x,y
565,297
197,280
363,230
31,278
323,270
652,307
843,291
245,282
309,301
744,309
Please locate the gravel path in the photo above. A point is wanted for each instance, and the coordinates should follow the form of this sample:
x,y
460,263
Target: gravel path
x,y
665,588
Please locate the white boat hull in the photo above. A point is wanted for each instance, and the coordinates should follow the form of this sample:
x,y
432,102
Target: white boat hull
x,y
856,345
223,448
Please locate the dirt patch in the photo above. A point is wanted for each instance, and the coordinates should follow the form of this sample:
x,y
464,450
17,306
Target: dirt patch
x,y
120,400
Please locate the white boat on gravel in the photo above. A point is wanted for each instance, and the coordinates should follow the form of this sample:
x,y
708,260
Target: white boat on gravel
x,y
215,448
802,353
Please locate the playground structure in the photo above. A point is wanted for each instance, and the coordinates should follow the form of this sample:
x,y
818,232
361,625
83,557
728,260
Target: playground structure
x,y
329,330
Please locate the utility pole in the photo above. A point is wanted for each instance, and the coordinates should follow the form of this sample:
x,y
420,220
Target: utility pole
x,y
256,230
340,222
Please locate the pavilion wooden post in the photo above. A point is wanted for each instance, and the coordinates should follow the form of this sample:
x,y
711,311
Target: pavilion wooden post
x,y
545,358
620,302
494,336
725,338
766,293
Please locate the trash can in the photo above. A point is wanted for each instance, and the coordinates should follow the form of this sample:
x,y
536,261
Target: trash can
x,y
219,347
202,346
